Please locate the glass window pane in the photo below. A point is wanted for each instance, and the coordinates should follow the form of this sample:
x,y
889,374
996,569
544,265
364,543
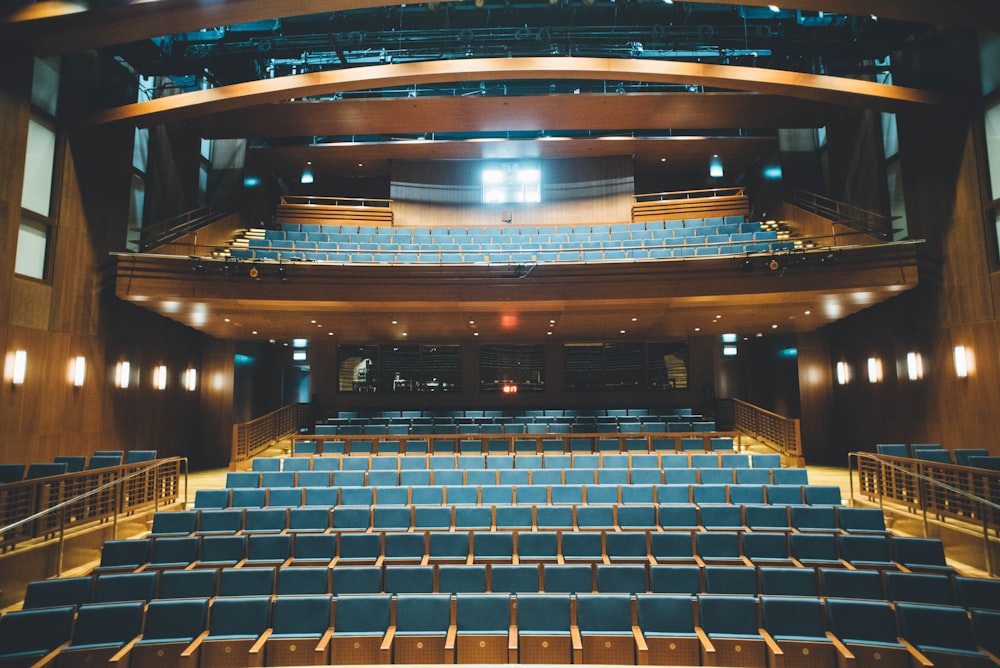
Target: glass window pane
x,y
137,199
512,369
45,85
993,147
357,371
583,365
140,149
441,368
989,61
897,203
36,193
890,135
667,364
32,240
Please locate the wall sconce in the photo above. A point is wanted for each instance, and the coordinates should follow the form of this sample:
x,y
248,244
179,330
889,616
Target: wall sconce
x,y
963,361
160,377
715,169
19,367
78,370
190,379
123,373
874,370
914,365
843,373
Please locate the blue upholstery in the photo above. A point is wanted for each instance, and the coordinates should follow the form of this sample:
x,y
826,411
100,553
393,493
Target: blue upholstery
x,y
199,583
57,592
621,578
680,579
303,580
103,628
171,623
222,550
514,578
29,635
125,587
860,622
408,579
781,581
731,580
453,579
854,584
944,633
919,588
567,578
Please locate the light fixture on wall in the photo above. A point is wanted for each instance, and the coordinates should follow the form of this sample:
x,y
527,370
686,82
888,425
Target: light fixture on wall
x,y
874,370
160,377
123,374
190,380
963,361
19,367
715,167
843,373
78,370
914,365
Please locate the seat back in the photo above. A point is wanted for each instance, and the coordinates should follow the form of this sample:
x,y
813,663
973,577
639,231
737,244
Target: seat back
x,y
27,634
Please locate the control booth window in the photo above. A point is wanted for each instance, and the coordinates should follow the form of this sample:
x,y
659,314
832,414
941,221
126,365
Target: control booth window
x,y
512,182
399,368
512,369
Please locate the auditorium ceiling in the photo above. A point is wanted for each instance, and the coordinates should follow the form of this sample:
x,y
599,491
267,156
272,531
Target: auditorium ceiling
x,y
351,85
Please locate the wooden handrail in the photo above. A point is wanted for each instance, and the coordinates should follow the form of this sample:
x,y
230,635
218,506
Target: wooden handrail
x,y
293,200
673,195
946,491
779,432
253,437
45,507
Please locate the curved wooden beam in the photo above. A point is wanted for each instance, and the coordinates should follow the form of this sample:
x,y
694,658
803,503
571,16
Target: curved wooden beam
x,y
61,26
822,88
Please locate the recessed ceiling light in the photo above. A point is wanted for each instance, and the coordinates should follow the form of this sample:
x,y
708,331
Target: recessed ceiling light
x,y
697,329
404,333
395,322
635,318
254,332
774,327
808,312
226,319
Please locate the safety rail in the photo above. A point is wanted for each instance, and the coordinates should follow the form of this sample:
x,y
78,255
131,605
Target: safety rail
x,y
431,440
46,507
779,432
253,437
861,220
946,491
690,204
157,234
335,201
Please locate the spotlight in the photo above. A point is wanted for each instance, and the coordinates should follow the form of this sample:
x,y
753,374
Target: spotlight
x,y
774,264
747,264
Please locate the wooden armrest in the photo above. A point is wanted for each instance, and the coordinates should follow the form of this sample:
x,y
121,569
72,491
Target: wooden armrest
x,y
915,653
449,639
195,644
706,642
325,640
640,640
699,561
993,657
841,647
126,648
390,634
512,644
50,657
259,644
574,634
771,643
746,561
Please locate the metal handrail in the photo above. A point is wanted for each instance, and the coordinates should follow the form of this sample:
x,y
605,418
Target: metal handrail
x,y
312,200
920,501
673,195
855,217
777,431
252,437
117,482
183,223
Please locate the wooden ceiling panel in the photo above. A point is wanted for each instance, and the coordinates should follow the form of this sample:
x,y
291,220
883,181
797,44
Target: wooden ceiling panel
x,y
631,111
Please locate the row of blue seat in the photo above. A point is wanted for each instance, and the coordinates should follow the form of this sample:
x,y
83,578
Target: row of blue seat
x,y
933,452
515,477
550,460
510,444
519,415
63,464
518,230
505,256
763,579
512,495
458,236
402,428
709,629
402,546
667,517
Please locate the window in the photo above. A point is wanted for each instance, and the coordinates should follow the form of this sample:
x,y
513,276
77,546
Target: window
x,y
512,369
35,229
400,368
512,183
32,245
624,366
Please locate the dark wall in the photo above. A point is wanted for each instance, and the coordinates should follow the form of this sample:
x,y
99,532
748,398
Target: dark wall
x,y
74,311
